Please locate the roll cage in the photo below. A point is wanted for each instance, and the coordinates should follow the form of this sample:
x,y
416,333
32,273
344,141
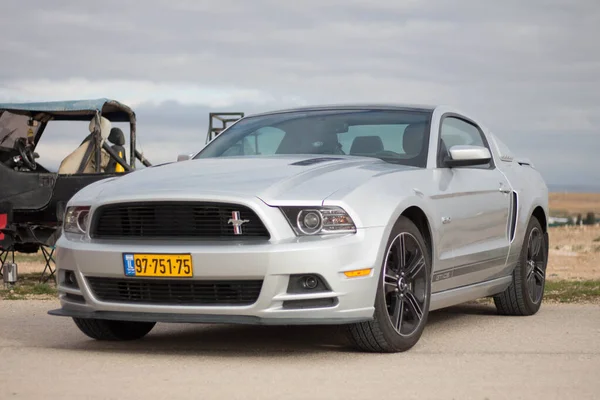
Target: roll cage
x,y
32,198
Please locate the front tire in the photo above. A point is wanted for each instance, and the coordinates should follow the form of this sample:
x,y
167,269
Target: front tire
x,y
525,294
403,294
103,329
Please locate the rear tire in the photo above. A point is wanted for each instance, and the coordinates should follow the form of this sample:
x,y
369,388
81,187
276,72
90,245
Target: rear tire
x,y
103,329
525,294
403,295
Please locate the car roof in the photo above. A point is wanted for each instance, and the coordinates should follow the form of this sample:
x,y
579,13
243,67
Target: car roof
x,y
354,106
74,109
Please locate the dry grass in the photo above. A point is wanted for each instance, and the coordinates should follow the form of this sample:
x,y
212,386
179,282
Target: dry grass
x,y
571,204
572,291
29,288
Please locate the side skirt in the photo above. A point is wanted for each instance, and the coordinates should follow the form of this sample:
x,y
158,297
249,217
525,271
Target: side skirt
x,y
463,294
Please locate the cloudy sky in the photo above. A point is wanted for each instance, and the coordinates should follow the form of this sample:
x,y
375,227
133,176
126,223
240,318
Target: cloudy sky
x,y
529,69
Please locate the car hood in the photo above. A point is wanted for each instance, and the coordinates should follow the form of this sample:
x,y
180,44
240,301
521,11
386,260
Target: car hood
x,y
275,180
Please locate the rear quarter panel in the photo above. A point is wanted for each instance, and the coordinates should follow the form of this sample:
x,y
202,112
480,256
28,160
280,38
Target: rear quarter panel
x,y
531,190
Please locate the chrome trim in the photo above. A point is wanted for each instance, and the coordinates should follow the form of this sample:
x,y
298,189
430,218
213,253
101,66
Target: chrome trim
x,y
459,194
237,222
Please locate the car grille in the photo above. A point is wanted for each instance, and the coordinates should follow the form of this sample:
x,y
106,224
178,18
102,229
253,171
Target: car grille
x,y
175,220
176,292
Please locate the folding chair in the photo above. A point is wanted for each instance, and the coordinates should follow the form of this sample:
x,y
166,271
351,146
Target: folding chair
x,y
3,257
49,258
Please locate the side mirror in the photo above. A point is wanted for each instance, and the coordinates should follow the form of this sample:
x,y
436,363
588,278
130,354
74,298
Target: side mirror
x,y
464,156
184,157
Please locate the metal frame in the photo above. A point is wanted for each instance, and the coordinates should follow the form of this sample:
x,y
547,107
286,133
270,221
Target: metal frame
x,y
49,258
3,256
221,117
111,109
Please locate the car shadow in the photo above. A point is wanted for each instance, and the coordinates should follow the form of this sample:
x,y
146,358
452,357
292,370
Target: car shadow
x,y
254,341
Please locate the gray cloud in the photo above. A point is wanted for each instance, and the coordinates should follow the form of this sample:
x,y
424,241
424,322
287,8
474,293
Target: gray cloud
x,y
530,70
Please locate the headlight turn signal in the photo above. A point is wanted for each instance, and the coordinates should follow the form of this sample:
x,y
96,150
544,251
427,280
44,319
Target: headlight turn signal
x,y
319,220
76,220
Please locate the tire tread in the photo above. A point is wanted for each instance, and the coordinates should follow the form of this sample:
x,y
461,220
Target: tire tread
x,y
367,336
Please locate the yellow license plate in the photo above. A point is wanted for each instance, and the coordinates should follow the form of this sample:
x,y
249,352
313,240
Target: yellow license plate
x,y
161,265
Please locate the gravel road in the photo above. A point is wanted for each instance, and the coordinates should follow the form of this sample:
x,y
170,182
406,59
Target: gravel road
x,y
466,352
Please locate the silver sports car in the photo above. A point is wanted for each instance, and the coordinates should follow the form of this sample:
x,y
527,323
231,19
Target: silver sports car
x,y
367,216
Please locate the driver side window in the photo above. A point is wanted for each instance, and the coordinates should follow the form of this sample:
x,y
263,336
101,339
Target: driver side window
x,y
456,131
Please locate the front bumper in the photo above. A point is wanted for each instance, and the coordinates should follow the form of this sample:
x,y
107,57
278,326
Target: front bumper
x,y
271,261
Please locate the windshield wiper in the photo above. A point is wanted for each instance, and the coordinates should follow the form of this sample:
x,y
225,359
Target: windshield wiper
x,y
7,136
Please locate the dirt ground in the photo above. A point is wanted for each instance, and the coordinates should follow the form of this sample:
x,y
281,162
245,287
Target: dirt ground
x,y
574,254
574,203
466,352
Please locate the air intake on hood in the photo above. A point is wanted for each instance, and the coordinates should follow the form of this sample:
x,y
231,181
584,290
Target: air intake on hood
x,y
312,161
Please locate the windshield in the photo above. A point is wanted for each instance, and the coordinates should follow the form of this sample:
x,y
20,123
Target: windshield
x,y
396,136
15,126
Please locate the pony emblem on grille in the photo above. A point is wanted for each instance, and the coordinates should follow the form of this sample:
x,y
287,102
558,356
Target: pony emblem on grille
x,y
237,222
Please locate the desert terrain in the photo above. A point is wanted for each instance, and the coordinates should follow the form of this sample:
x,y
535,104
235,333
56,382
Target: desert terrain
x,y
572,204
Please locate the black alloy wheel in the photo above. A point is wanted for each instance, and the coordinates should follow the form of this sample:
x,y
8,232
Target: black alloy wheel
x,y
405,289
403,294
536,266
525,294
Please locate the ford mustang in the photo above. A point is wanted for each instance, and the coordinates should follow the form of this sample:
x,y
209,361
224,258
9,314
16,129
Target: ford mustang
x,y
367,216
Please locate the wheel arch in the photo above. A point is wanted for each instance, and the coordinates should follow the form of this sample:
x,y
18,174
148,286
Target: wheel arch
x,y
540,214
417,216
415,210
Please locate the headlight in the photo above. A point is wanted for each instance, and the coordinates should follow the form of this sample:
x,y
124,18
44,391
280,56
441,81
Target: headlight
x,y
76,220
319,220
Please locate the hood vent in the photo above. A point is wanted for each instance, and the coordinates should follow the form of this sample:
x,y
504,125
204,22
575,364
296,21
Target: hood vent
x,y
312,161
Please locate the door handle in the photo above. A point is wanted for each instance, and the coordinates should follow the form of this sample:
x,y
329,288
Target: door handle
x,y
502,189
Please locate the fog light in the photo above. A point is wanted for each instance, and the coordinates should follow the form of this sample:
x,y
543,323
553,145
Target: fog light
x,y
307,283
310,282
70,279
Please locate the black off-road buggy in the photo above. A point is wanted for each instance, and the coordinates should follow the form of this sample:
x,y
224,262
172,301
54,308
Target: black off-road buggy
x,y
33,198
